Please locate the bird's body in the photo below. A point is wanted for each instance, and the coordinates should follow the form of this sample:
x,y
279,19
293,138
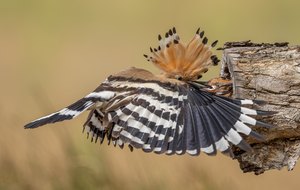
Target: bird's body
x,y
168,113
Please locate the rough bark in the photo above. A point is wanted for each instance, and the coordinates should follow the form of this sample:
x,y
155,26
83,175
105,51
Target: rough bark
x,y
268,72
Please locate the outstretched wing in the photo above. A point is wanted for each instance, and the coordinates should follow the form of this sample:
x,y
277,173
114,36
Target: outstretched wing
x,y
73,110
171,118
214,122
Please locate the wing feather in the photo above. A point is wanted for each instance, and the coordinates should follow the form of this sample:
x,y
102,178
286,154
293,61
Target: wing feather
x,y
193,143
74,109
180,119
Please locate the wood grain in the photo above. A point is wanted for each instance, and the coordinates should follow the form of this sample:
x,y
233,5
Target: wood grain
x,y
269,72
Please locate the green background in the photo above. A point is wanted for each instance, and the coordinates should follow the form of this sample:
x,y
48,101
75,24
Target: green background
x,y
52,52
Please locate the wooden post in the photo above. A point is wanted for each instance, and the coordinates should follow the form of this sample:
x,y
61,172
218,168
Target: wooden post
x,y
269,72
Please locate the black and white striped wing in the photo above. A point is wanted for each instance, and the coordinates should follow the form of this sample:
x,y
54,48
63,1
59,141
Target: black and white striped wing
x,y
213,122
162,117
74,109
182,119
150,121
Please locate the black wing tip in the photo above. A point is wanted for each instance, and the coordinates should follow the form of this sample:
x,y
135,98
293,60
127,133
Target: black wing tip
x,y
244,146
228,152
260,102
214,153
262,124
48,120
262,112
211,154
257,136
33,125
30,126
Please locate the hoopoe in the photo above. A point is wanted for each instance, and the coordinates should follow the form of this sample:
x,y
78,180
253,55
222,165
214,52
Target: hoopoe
x,y
171,113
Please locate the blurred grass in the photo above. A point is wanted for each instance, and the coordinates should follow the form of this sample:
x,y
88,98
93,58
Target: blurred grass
x,y
53,52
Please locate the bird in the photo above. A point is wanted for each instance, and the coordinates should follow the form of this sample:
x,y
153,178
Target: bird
x,y
173,112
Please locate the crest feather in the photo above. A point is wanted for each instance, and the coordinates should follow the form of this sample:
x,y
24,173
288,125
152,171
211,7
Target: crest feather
x,y
185,61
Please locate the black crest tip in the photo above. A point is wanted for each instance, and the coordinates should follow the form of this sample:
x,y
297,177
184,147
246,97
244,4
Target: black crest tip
x,y
201,34
159,37
215,60
213,57
214,43
174,30
198,30
205,40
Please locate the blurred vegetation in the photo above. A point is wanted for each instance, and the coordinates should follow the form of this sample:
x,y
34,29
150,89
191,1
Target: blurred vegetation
x,y
53,52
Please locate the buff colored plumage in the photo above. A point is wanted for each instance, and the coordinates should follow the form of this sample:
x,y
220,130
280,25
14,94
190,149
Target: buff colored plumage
x,y
185,62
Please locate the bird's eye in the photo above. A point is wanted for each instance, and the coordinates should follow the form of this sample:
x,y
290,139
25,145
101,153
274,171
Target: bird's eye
x,y
199,77
178,77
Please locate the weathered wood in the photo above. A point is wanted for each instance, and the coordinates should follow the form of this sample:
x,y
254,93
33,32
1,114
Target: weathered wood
x,y
268,72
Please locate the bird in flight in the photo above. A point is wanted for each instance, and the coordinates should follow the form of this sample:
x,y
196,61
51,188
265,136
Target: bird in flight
x,y
171,113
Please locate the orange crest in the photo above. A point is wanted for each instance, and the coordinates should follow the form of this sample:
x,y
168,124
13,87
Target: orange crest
x,y
184,62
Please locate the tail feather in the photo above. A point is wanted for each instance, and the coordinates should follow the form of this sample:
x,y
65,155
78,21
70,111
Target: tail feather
x,y
73,110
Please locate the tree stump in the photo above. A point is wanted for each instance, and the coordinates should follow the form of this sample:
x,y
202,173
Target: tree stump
x,y
269,72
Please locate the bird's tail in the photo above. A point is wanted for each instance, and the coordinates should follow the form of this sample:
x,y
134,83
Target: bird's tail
x,y
72,110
